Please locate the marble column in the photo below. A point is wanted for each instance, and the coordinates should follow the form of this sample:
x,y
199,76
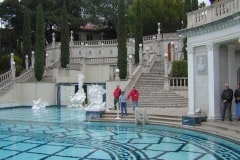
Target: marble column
x,y
191,80
213,81
231,66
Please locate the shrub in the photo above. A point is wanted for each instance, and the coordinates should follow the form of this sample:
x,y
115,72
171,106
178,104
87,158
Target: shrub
x,y
179,68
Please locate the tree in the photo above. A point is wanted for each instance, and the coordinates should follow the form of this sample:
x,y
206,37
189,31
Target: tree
x,y
27,44
122,40
39,44
194,5
64,38
138,34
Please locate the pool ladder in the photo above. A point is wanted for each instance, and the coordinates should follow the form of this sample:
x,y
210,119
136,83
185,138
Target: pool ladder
x,y
141,116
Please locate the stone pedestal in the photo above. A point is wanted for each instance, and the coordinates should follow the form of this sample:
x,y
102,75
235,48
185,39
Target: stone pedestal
x,y
96,115
193,120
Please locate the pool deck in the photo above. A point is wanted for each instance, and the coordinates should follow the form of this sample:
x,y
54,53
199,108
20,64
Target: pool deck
x,y
228,129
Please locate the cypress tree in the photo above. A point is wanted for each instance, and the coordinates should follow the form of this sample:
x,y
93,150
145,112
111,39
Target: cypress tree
x,y
194,5
138,34
122,39
64,38
39,44
27,45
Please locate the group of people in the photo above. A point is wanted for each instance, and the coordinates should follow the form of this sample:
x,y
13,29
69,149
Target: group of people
x,y
121,98
227,97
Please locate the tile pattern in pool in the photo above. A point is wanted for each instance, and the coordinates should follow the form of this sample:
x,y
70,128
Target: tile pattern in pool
x,y
68,137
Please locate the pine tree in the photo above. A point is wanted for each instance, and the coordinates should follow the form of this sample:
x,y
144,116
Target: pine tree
x,y
39,44
27,45
122,39
138,34
64,38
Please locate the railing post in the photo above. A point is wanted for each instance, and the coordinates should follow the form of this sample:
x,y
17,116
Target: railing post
x,y
53,39
130,66
46,61
117,78
13,71
140,54
33,59
12,60
26,62
166,81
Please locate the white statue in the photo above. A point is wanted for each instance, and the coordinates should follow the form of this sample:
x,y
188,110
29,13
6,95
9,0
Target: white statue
x,y
39,104
79,97
95,97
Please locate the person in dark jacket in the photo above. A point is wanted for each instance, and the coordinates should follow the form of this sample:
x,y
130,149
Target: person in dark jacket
x,y
237,101
227,97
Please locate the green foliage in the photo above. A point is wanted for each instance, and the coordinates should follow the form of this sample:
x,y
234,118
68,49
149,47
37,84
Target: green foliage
x,y
122,40
39,44
5,63
27,44
179,69
64,38
138,34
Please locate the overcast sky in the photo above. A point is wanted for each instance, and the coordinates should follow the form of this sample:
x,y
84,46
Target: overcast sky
x,y
206,1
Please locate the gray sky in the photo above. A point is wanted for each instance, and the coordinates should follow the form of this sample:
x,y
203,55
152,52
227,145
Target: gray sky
x,y
206,1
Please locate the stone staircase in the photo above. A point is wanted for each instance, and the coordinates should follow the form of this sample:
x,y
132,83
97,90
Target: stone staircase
x,y
150,86
164,107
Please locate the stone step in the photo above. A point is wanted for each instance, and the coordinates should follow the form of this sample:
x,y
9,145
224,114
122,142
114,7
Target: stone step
x,y
151,118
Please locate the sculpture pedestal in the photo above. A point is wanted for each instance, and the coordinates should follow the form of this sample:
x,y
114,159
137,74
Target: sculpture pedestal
x,y
193,120
96,115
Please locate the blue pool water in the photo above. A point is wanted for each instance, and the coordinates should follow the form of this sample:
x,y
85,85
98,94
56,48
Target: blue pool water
x,y
62,134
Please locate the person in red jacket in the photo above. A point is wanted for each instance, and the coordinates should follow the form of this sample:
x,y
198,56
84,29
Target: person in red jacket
x,y
135,96
116,94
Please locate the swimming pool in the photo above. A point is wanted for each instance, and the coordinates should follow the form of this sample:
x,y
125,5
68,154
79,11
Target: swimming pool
x,y
61,134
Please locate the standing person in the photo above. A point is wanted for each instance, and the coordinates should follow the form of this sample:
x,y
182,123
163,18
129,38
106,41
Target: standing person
x,y
135,95
237,101
227,96
116,94
123,104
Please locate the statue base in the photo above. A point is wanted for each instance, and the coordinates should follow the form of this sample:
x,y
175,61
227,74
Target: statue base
x,y
96,115
193,120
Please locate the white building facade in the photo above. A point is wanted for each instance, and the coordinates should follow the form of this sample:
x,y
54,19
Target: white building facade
x,y
213,45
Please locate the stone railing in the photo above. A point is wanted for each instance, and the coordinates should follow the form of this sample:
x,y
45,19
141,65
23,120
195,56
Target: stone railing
x,y
213,13
6,77
25,76
81,60
178,83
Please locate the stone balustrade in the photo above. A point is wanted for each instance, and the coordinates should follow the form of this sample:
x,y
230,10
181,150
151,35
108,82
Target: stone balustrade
x,y
25,76
6,77
178,82
213,13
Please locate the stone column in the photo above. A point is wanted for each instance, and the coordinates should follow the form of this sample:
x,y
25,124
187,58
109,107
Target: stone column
x,y
33,60
13,70
11,60
46,61
53,39
213,81
231,66
140,54
71,37
166,80
26,62
191,80
117,78
172,52
130,65
147,57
